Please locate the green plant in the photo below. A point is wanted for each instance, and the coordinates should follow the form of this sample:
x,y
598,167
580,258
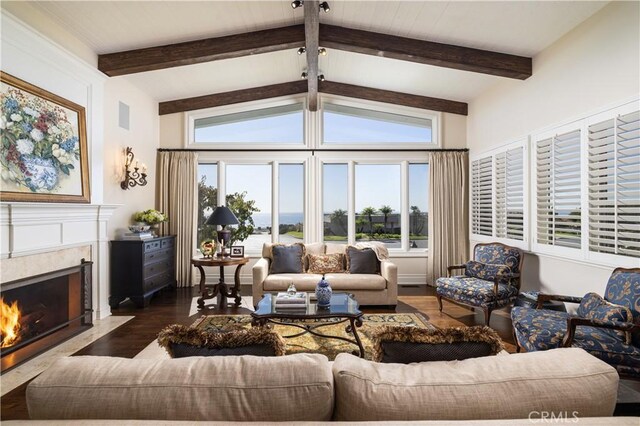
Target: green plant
x,y
369,212
386,211
150,216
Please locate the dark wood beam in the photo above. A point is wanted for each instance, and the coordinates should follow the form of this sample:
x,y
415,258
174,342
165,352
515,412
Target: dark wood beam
x,y
198,51
425,52
234,97
311,41
396,98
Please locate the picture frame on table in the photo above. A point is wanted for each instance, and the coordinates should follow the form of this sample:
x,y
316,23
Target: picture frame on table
x,y
43,145
236,251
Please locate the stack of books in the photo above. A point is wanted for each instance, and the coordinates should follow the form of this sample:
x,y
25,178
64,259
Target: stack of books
x,y
137,235
286,301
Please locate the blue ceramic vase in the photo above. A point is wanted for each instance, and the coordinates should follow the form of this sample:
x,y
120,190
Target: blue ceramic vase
x,y
323,293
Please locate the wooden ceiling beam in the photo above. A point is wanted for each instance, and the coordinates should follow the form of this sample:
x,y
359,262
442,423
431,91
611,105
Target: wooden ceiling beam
x,y
425,52
396,98
311,37
234,97
198,51
296,87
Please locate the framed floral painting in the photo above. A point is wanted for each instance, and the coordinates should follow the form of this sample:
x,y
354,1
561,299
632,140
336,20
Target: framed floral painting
x,y
43,156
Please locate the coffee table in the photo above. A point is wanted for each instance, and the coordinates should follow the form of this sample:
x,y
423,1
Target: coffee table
x,y
343,307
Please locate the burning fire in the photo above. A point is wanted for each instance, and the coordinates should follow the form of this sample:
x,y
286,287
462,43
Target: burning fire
x,y
9,323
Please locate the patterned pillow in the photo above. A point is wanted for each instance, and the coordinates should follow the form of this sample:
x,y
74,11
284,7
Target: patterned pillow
x,y
594,306
287,259
325,263
484,271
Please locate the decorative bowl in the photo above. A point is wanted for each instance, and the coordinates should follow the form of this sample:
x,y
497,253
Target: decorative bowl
x,y
138,228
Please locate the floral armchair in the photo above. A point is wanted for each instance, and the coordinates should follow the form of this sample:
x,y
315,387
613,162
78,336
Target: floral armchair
x,y
608,328
490,281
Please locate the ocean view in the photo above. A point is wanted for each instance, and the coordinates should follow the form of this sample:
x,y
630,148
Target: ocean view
x,y
263,220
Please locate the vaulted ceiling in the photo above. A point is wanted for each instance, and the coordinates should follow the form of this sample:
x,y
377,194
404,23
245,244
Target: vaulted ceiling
x,y
517,28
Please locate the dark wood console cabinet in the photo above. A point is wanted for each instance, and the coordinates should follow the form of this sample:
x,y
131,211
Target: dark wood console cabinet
x,y
141,268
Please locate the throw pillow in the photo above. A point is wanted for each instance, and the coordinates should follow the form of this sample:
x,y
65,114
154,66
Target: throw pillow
x,y
182,341
594,306
362,261
287,259
325,263
484,271
405,345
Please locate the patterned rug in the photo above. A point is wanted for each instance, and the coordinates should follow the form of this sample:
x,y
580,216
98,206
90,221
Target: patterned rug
x,y
314,344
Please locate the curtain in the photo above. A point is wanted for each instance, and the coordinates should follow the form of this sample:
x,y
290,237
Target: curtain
x,y
178,198
448,212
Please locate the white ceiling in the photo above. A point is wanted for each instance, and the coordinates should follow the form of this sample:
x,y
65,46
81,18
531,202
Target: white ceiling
x,y
517,27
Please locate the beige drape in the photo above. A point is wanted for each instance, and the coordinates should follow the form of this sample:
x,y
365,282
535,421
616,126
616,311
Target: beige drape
x,y
448,212
177,198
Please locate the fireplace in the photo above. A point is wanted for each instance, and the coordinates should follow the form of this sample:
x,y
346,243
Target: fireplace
x,y
42,311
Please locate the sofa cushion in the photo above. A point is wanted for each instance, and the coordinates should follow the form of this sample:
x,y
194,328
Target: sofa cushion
x,y
181,341
362,261
325,263
312,249
287,258
230,388
484,271
338,282
335,248
500,387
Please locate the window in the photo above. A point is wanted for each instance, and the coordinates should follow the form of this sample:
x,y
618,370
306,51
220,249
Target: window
x,y
377,191
509,194
207,200
335,199
481,196
418,205
248,194
281,125
614,185
559,215
291,199
348,125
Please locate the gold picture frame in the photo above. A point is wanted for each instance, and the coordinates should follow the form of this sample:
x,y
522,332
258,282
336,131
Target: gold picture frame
x,y
43,145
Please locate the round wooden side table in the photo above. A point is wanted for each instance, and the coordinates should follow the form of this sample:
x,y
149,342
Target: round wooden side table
x,y
221,290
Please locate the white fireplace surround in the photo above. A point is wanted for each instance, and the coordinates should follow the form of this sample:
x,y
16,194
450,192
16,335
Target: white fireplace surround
x,y
32,235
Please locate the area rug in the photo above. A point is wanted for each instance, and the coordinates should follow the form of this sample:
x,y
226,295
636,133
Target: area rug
x,y
309,343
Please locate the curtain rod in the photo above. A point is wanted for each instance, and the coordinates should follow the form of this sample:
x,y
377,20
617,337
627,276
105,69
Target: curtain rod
x,y
310,150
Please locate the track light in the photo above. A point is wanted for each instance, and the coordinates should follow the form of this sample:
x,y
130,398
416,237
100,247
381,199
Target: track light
x,y
322,51
296,4
324,6
301,50
303,76
321,77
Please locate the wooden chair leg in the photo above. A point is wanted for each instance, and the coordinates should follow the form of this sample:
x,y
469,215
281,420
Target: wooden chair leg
x,y
487,315
439,302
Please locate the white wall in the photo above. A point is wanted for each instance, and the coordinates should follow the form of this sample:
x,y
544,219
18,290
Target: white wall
x,y
595,65
142,136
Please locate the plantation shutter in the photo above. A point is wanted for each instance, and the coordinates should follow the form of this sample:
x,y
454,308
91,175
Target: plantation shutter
x,y
481,202
558,190
501,195
515,193
614,186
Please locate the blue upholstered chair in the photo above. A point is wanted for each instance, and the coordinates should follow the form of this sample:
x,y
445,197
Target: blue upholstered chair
x,y
490,281
608,328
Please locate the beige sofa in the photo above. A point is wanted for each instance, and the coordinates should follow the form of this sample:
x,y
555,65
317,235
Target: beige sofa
x,y
368,289
308,388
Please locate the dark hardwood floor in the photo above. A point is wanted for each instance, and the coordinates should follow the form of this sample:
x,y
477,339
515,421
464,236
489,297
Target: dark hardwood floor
x,y
171,307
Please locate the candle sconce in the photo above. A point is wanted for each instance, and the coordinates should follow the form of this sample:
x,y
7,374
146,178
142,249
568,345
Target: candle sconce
x,y
135,174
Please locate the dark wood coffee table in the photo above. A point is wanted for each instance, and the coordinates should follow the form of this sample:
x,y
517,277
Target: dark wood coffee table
x,y
343,307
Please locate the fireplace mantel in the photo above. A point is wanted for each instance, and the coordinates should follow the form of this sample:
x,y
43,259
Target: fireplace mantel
x,y
40,231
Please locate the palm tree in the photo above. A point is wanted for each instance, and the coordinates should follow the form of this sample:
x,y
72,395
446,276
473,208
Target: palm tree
x,y
386,211
369,212
416,225
338,216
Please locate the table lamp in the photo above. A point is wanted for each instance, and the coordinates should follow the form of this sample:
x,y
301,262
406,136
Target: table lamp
x,y
222,216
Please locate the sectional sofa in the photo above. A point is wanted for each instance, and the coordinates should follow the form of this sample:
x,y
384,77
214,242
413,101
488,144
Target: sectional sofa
x,y
515,389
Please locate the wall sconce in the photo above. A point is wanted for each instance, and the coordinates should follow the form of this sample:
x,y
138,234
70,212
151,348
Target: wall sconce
x,y
134,173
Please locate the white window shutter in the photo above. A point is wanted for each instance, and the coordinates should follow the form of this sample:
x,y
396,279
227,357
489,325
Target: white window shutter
x,y
614,185
481,196
515,193
558,190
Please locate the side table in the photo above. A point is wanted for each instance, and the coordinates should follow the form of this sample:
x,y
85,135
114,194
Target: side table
x,y
221,290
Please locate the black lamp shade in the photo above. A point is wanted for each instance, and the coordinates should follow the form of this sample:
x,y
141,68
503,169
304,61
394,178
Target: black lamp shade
x,y
222,216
